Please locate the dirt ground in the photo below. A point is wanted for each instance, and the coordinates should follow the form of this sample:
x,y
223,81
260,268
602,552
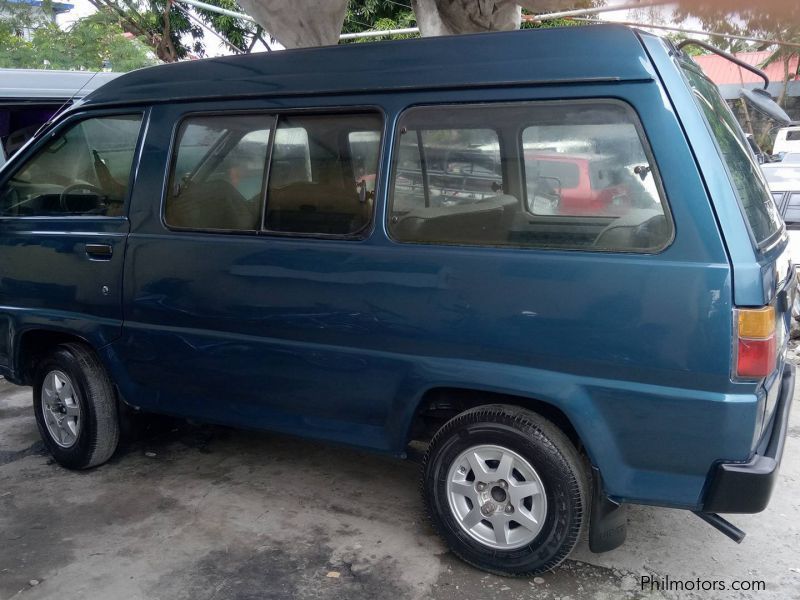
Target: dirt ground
x,y
197,512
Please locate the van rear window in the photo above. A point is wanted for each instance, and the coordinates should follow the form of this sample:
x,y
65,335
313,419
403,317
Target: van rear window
x,y
743,171
571,175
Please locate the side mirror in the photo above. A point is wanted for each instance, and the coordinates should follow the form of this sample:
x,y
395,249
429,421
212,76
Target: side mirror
x,y
546,195
761,101
642,171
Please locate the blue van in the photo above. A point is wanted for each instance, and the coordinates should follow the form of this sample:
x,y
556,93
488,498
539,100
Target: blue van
x,y
549,256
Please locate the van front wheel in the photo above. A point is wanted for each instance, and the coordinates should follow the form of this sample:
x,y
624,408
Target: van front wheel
x,y
506,489
75,407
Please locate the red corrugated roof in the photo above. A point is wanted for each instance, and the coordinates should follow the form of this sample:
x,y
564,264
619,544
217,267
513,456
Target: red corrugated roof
x,y
722,71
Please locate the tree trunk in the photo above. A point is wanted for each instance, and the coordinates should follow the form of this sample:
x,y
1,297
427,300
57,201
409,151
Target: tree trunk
x,y
782,98
166,49
302,23
299,23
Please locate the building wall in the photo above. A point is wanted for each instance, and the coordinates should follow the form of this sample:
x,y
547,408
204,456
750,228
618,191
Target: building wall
x,y
29,14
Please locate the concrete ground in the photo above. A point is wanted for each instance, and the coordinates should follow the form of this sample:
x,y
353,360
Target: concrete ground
x,y
197,512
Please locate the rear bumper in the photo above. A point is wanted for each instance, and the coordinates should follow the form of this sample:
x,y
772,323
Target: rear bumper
x,y
747,487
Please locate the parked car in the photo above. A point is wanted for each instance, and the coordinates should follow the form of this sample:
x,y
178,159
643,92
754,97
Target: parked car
x,y
791,160
199,239
589,184
784,183
29,98
787,140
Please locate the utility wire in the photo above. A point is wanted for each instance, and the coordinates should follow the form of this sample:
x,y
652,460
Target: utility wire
x,y
696,32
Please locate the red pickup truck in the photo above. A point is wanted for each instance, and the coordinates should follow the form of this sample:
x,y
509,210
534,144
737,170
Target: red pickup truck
x,y
589,184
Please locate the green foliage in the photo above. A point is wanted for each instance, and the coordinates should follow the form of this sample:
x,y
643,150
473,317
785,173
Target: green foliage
x,y
551,23
237,31
168,29
677,38
85,45
372,15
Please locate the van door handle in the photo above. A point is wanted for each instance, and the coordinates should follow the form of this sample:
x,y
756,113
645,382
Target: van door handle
x,y
99,251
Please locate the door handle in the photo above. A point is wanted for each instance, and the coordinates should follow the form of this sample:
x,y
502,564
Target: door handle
x,y
99,251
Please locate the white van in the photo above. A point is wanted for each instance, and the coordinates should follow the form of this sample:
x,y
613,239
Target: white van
x,y
29,97
787,140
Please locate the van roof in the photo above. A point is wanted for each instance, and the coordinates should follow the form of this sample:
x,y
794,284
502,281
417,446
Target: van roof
x,y
38,84
596,53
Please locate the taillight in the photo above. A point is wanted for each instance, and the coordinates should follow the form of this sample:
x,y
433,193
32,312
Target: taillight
x,y
756,352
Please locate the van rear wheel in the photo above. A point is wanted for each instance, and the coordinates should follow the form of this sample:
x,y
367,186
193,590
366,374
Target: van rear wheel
x,y
506,489
75,407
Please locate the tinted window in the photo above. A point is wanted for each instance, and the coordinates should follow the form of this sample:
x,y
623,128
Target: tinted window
x,y
447,167
566,175
291,159
793,135
218,172
319,173
364,148
84,171
792,213
596,169
743,170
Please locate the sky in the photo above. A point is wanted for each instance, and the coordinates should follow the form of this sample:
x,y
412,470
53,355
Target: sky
x,y
660,15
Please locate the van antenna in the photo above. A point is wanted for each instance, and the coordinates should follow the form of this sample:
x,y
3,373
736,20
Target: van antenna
x,y
63,107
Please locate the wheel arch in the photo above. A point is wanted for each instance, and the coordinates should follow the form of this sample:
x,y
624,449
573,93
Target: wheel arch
x,y
33,343
440,404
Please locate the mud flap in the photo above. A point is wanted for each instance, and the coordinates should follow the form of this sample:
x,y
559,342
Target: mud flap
x,y
608,526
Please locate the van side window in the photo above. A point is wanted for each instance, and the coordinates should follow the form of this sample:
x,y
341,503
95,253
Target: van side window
x,y
84,171
319,174
569,175
217,175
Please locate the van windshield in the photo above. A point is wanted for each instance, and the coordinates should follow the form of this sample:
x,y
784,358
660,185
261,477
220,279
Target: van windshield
x,y
743,170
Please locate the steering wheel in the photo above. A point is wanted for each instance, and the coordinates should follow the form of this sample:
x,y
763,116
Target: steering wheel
x,y
85,187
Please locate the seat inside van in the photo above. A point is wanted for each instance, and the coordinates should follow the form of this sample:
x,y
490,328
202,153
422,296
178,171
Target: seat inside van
x,y
214,202
488,220
310,207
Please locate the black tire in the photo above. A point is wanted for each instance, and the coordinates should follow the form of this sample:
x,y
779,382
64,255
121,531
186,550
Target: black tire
x,y
547,449
98,434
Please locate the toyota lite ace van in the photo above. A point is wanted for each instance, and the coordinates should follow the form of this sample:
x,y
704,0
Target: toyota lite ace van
x,y
373,245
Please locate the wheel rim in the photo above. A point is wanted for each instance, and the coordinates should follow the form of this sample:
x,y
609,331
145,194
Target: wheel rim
x,y
61,408
496,497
